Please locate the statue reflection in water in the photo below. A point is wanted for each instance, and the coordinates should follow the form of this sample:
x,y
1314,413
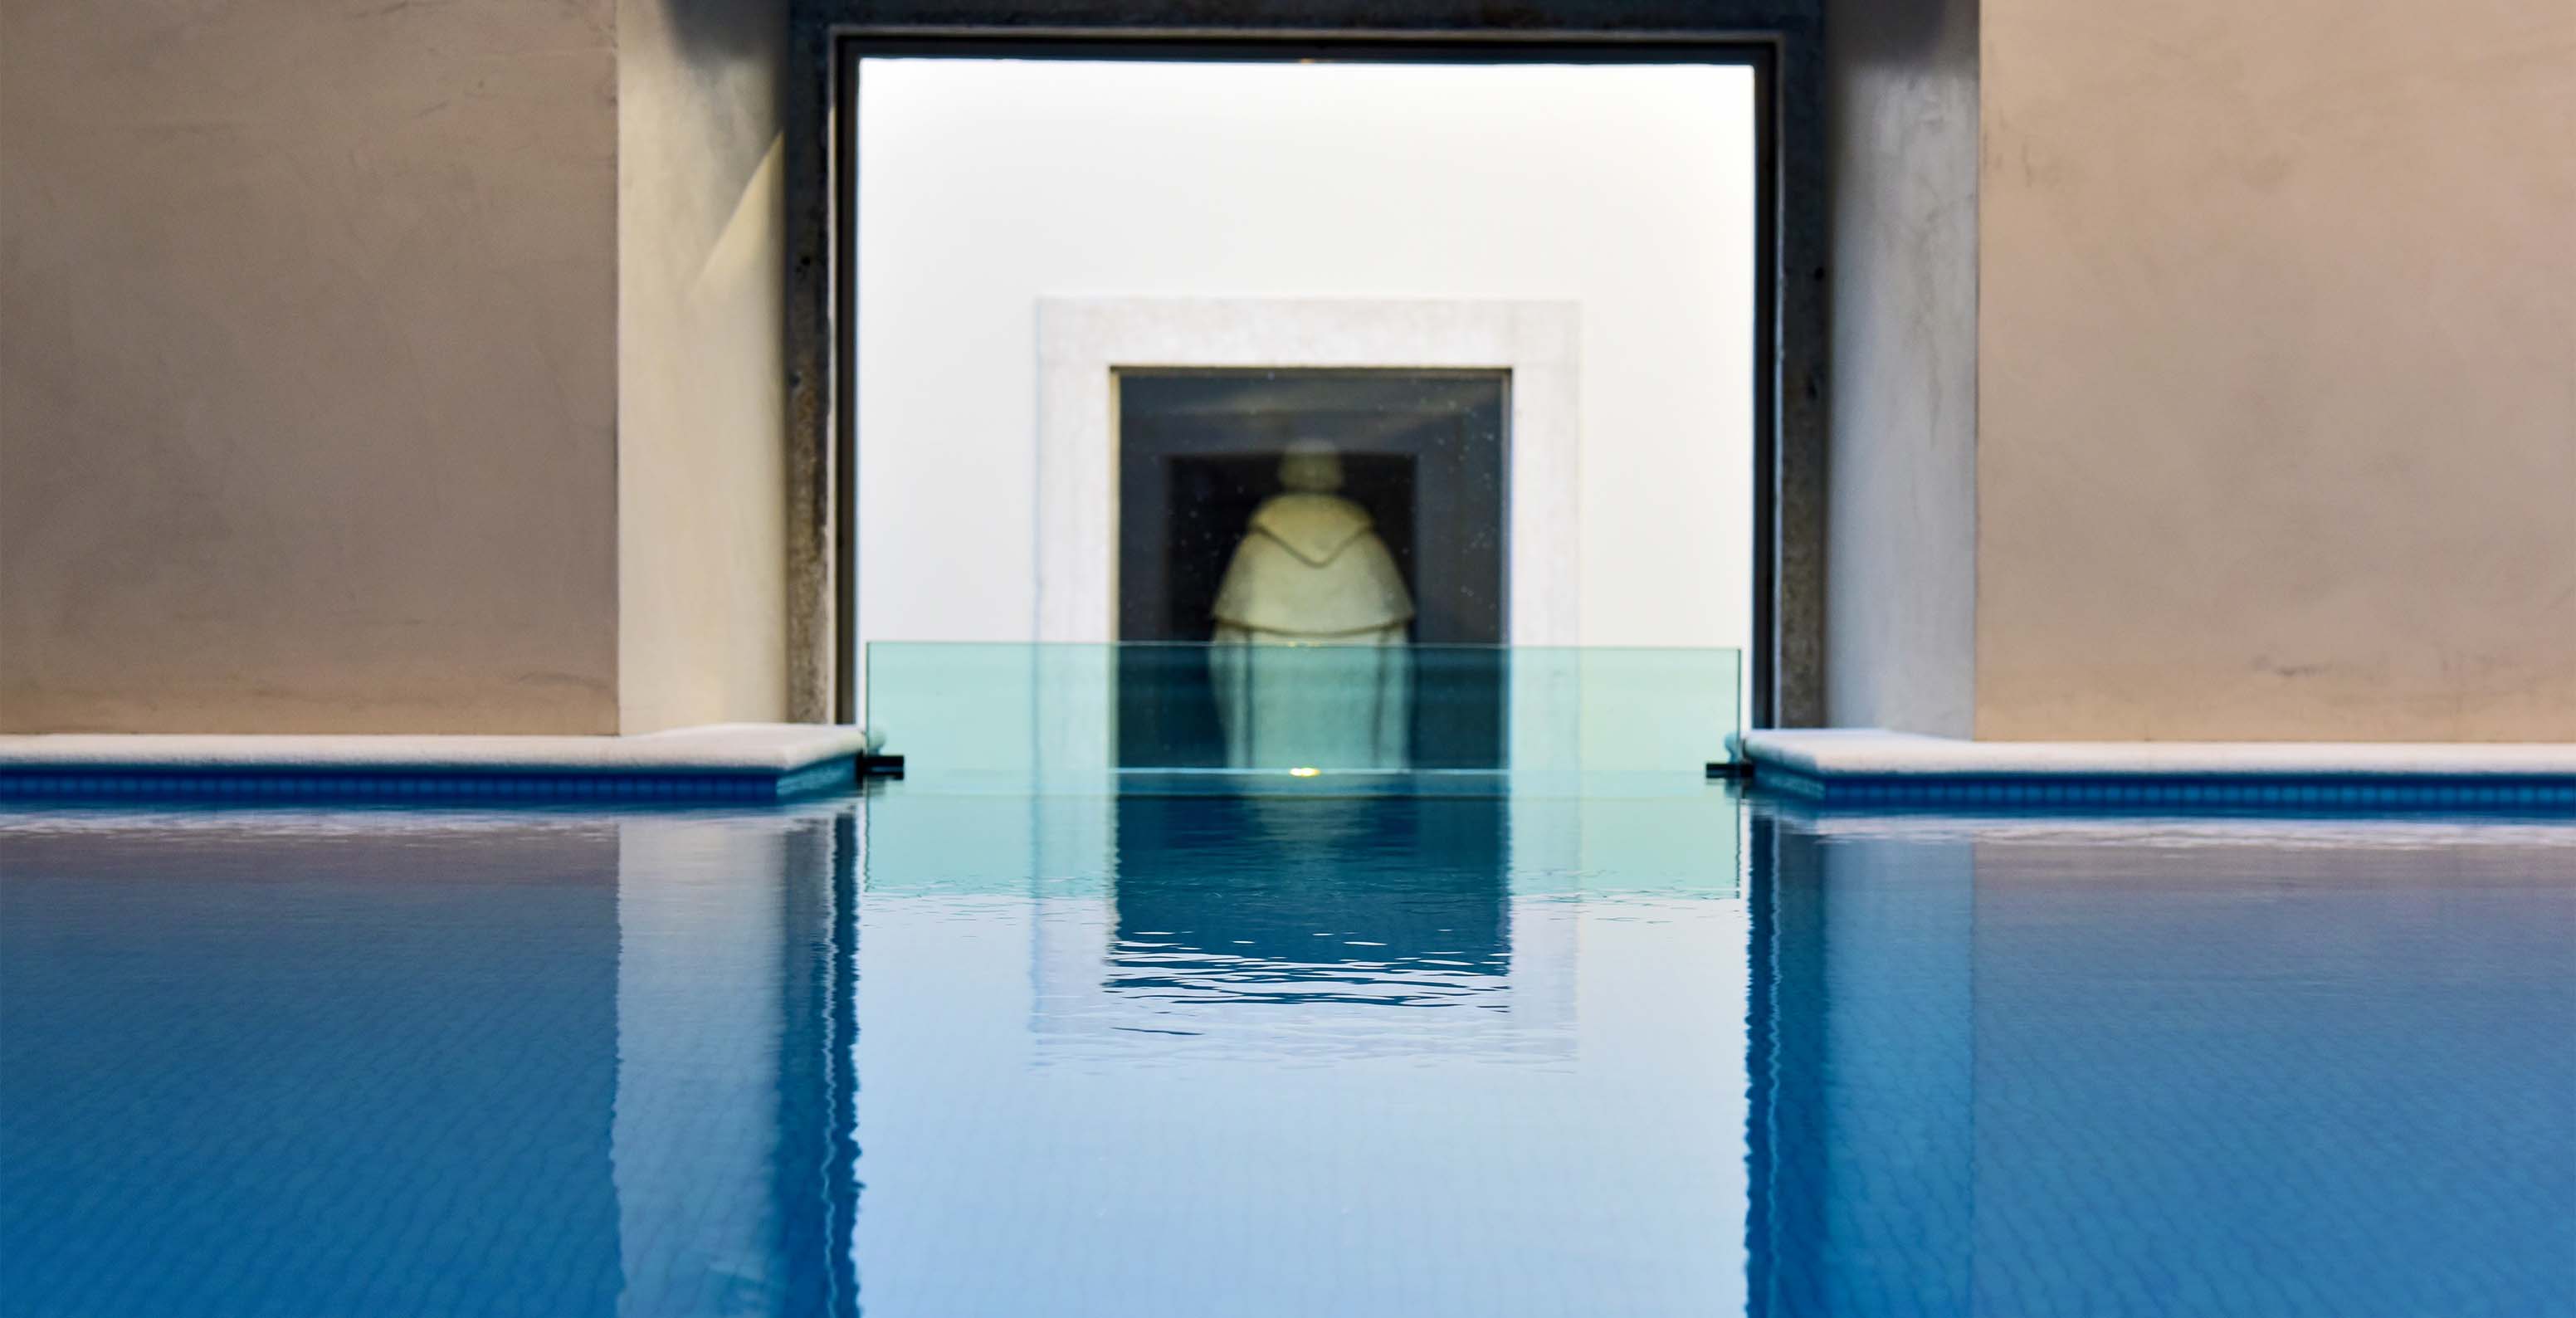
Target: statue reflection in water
x,y
1297,899
1310,664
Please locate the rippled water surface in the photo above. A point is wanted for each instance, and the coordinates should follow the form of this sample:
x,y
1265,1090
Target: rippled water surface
x,y
936,1054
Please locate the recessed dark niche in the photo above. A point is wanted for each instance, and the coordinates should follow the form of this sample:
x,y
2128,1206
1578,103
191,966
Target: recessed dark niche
x,y
1425,452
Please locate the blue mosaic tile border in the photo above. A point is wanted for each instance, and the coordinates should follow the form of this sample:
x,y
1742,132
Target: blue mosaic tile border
x,y
424,786
2139,791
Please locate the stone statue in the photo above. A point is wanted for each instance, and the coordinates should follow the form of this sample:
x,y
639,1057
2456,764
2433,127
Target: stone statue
x,y
1310,661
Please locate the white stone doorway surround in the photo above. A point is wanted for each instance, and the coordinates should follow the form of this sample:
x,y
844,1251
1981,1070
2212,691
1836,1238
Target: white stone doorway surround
x,y
1084,342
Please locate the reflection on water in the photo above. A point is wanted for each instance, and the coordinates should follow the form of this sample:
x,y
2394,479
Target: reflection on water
x,y
934,1055
1282,928
1400,902
2046,1066
1329,1054
368,1062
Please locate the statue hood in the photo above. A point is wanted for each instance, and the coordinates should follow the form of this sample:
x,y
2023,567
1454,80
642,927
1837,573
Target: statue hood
x,y
1312,565
1314,527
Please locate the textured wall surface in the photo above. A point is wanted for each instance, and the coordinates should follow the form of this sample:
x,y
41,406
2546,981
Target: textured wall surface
x,y
701,481
2277,387
1900,625
307,379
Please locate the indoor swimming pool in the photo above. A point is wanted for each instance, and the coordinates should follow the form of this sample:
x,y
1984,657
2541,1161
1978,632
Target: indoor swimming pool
x,y
935,1051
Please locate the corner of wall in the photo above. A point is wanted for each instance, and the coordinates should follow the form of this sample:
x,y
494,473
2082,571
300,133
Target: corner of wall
x,y
701,434
1902,513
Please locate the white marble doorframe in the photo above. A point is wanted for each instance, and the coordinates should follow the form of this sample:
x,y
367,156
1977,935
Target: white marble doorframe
x,y
1084,342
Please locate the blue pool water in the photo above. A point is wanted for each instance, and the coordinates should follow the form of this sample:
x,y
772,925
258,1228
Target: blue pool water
x,y
935,1054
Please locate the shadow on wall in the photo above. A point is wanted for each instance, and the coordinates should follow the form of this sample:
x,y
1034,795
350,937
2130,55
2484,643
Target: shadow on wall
x,y
728,29
1894,31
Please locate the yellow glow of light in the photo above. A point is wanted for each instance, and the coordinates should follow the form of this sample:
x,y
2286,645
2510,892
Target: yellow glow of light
x,y
1303,773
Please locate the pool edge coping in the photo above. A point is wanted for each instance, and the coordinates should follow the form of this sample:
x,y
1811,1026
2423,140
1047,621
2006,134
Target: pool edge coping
x,y
1868,766
713,762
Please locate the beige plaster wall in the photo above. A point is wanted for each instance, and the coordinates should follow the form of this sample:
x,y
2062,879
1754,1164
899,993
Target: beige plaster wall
x,y
701,475
1900,624
2278,370
307,379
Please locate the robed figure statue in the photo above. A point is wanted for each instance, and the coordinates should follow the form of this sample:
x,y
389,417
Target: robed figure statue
x,y
1311,665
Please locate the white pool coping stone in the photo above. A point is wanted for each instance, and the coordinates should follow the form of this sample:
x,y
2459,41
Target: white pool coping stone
x,y
727,761
1871,766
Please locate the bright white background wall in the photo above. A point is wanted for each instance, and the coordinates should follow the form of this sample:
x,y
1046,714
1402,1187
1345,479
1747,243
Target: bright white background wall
x,y
986,185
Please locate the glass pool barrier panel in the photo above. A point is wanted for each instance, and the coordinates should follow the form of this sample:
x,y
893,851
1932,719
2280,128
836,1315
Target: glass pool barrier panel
x,y
1055,709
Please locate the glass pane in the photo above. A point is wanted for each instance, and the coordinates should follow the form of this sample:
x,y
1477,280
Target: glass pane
x,y
1016,708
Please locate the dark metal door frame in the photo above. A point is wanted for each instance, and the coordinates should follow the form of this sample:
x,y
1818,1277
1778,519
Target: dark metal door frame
x,y
1780,42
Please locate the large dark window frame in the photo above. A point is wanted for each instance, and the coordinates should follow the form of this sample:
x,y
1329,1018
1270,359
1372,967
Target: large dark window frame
x,y
1780,41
